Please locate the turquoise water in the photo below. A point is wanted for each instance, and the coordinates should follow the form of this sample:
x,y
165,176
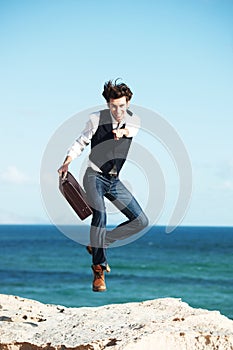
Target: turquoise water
x,y
193,263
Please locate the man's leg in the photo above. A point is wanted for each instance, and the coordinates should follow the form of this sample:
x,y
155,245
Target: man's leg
x,y
121,197
95,187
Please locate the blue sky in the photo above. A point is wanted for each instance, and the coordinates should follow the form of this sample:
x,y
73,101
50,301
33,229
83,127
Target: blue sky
x,y
177,56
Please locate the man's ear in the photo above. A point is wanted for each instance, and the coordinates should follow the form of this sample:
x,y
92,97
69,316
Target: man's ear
x,y
108,104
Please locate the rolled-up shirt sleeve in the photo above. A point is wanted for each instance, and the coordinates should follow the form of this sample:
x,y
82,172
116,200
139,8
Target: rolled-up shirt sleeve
x,y
86,135
132,124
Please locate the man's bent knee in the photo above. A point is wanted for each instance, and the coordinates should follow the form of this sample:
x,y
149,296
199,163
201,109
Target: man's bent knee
x,y
142,221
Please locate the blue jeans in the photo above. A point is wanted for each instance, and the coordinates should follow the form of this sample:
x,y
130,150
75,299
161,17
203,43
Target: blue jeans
x,y
98,186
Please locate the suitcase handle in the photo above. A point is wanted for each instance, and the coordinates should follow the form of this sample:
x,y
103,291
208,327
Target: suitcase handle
x,y
64,175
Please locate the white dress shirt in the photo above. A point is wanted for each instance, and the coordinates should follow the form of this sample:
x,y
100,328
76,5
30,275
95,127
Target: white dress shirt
x,y
132,123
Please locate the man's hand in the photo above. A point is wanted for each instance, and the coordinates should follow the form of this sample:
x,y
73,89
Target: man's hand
x,y
64,168
119,133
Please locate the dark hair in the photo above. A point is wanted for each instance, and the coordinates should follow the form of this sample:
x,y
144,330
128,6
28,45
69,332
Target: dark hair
x,y
114,90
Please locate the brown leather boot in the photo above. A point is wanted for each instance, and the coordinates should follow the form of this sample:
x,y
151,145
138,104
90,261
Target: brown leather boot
x,y
89,250
98,281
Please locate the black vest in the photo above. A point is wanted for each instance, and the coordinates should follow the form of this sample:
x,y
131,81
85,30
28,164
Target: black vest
x,y
105,151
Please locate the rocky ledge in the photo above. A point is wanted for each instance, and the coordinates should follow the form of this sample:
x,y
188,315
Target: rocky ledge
x,y
161,324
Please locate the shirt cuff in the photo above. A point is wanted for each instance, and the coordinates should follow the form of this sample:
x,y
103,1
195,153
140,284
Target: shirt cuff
x,y
74,151
132,131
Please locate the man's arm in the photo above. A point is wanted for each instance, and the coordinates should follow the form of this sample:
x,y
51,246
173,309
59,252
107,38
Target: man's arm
x,y
79,145
64,168
131,129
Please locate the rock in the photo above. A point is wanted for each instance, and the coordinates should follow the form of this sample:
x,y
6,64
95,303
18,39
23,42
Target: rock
x,y
162,324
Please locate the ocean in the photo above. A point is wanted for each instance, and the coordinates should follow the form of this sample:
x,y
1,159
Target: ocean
x,y
194,264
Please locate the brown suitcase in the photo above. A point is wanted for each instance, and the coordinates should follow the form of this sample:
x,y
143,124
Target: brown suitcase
x,y
74,195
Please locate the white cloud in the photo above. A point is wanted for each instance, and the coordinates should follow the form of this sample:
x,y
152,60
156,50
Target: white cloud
x,y
13,175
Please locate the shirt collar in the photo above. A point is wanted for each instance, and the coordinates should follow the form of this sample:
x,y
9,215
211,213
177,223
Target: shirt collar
x,y
114,120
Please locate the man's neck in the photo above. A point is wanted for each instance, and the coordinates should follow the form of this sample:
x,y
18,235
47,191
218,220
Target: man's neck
x,y
115,121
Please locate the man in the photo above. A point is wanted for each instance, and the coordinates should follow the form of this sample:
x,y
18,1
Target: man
x,y
110,132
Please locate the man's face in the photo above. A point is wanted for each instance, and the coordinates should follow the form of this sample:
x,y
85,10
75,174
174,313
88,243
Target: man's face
x,y
118,107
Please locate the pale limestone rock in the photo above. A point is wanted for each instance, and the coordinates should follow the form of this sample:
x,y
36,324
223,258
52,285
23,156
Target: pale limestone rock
x,y
162,324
